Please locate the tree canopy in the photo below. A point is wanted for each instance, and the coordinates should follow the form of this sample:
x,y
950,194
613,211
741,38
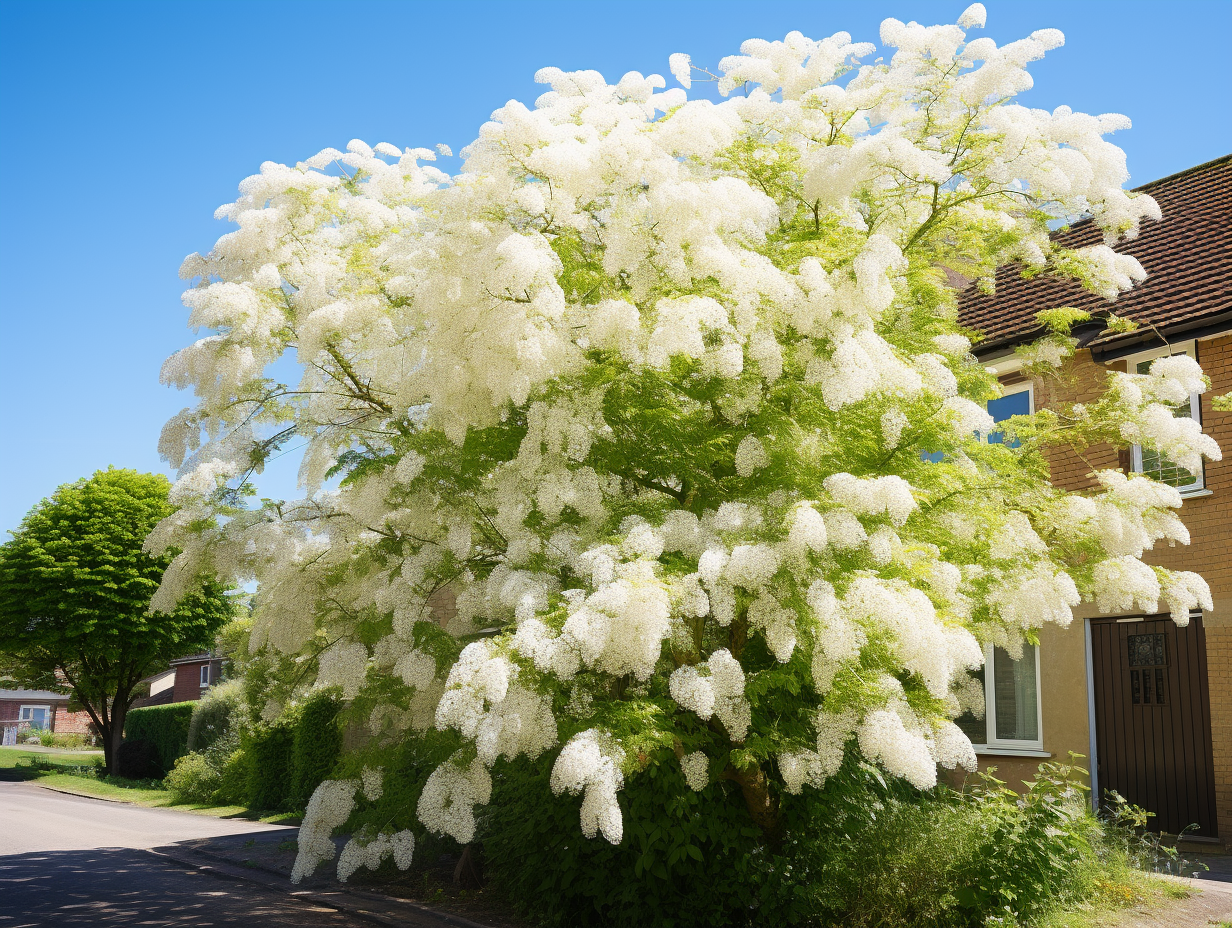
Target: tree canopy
x,y
75,591
669,395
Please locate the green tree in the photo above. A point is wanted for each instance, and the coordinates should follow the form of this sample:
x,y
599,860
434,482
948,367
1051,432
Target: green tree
x,y
75,589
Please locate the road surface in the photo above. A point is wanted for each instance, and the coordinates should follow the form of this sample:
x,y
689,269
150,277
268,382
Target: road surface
x,y
75,862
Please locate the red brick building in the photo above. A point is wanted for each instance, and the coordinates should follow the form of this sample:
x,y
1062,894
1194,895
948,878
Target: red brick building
x,y
39,709
1149,704
195,674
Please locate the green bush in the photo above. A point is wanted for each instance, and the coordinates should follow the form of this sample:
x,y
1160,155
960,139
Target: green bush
x,y
68,739
861,852
214,716
233,779
316,745
193,779
686,859
165,727
269,748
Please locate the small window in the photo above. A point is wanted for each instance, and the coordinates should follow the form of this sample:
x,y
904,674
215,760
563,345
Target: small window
x,y
205,675
1016,400
36,716
1012,716
1152,463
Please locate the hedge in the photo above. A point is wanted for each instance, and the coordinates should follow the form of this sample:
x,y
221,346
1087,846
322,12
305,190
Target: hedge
x,y
268,751
317,742
165,727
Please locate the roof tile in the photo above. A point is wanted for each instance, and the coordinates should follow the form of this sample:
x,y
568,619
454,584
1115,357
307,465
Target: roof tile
x,y
1188,255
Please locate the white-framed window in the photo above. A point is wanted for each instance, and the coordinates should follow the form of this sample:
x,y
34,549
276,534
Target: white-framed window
x,y
1013,716
205,675
1016,400
1152,463
36,716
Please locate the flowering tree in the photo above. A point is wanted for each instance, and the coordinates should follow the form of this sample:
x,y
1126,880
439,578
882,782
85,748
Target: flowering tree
x,y
670,397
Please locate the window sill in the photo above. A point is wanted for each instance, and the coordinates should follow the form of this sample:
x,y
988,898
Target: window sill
x,y
1194,494
1009,752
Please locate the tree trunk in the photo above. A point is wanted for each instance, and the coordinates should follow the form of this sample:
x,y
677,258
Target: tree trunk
x,y
114,737
762,805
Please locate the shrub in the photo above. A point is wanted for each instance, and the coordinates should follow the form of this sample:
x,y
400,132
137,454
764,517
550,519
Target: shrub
x,y
67,739
270,749
861,852
165,727
214,715
233,779
317,744
193,779
686,859
138,760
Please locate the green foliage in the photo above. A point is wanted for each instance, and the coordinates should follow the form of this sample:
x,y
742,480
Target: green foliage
x,y
75,591
861,852
66,739
269,749
1061,319
165,727
194,779
233,779
686,859
215,715
316,744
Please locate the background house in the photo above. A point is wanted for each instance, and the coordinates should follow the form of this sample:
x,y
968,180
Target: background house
x,y
195,674
1148,703
38,709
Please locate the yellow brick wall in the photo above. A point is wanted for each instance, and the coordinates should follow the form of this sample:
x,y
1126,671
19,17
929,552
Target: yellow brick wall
x,y
1209,520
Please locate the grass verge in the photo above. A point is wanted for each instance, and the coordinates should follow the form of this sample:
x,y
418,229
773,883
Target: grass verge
x,y
1129,889
14,757
80,775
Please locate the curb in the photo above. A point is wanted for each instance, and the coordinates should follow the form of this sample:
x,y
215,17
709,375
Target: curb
x,y
374,907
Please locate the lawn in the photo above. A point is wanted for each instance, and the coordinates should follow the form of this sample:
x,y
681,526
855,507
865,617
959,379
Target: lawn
x,y
14,757
74,773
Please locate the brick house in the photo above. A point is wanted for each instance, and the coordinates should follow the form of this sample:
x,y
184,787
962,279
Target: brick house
x,y
1149,704
38,709
195,674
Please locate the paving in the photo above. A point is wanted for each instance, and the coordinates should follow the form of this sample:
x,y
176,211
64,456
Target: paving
x,y
74,861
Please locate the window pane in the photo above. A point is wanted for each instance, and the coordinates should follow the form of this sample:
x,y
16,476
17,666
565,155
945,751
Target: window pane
x,y
1016,404
36,716
973,728
1017,699
1154,464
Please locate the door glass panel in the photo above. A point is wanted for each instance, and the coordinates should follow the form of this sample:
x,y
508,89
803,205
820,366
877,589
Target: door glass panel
x,y
1017,708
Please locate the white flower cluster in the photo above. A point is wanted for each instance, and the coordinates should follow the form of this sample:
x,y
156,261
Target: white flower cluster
x,y
719,692
586,764
696,769
447,803
366,850
330,806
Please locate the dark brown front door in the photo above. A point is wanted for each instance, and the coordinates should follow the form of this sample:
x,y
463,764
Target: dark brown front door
x,y
1152,719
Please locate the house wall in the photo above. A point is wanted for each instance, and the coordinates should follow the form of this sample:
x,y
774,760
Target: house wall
x,y
1063,675
70,722
61,719
188,681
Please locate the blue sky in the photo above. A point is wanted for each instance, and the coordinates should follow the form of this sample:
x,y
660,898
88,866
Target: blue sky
x,y
125,124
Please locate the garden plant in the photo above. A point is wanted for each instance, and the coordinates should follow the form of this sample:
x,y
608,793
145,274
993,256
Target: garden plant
x,y
647,470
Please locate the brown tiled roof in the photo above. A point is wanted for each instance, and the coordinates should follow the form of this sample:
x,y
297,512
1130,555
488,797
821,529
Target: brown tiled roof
x,y
1188,255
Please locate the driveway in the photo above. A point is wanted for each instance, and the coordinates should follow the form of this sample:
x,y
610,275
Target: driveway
x,y
71,861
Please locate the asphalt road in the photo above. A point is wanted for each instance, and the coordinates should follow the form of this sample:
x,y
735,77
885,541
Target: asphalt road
x,y
71,861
